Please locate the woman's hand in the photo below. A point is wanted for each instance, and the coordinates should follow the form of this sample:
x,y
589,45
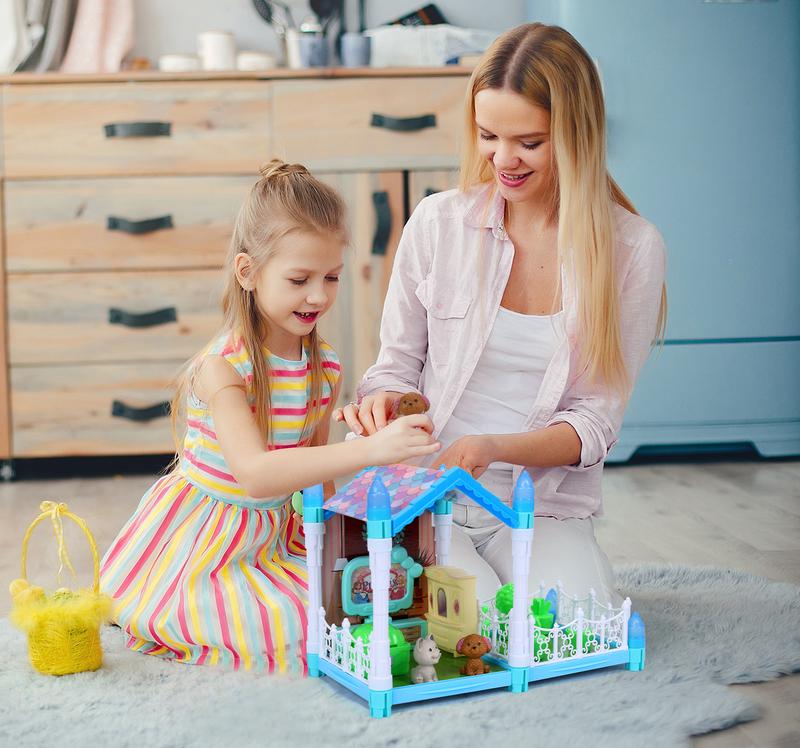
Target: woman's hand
x,y
407,437
472,453
369,416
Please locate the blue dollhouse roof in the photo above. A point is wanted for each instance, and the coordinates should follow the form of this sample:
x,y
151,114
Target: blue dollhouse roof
x,y
407,491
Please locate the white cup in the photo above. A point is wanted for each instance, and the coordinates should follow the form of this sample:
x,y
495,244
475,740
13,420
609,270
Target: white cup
x,y
217,50
293,59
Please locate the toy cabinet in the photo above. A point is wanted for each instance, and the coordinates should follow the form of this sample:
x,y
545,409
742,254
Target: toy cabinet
x,y
118,196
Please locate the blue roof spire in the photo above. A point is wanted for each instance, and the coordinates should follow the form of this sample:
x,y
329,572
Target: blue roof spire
x,y
523,493
379,510
313,497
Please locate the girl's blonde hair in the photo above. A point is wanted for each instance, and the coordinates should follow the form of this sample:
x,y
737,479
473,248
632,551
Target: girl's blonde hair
x,y
287,198
547,66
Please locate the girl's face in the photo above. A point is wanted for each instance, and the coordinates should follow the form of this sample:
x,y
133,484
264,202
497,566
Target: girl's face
x,y
295,286
514,137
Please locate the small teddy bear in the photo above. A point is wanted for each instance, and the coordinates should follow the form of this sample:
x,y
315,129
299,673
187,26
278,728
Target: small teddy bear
x,y
410,404
426,655
473,647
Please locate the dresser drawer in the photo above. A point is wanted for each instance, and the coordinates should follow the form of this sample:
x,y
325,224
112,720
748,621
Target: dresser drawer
x,y
69,410
136,128
113,317
353,124
132,223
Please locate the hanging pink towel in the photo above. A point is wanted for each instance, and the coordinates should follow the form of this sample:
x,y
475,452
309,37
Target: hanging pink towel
x,y
101,38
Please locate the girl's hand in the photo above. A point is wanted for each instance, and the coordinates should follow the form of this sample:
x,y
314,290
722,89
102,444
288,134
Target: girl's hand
x,y
371,415
472,453
407,437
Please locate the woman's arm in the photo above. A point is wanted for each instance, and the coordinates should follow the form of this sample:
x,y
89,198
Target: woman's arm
x,y
264,473
594,412
548,447
404,326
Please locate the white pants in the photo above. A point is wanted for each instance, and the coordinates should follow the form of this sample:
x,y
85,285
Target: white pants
x,y
564,550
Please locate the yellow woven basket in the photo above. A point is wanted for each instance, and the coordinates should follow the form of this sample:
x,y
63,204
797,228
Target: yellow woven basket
x,y
63,628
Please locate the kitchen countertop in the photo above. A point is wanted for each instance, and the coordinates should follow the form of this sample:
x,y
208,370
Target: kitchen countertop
x,y
273,74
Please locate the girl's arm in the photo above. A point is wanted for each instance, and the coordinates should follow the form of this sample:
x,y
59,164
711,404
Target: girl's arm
x,y
264,473
322,433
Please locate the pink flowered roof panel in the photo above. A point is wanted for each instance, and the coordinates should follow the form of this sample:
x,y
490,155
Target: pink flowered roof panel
x,y
405,484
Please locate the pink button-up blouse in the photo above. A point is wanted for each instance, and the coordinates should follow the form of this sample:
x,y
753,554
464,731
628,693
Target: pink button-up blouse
x,y
449,275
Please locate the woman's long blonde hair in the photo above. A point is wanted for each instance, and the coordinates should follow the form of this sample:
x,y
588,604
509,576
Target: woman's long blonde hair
x,y
547,66
285,199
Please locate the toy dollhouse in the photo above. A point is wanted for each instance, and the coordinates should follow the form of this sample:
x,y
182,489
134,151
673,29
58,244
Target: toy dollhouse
x,y
531,640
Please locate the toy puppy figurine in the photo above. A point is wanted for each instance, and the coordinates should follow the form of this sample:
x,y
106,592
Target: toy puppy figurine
x,y
426,655
473,647
410,404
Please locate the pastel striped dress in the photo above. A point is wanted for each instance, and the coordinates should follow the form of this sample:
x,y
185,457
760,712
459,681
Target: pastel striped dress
x,y
203,574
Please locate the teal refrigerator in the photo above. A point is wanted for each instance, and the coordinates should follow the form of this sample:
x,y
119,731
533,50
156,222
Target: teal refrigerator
x,y
703,109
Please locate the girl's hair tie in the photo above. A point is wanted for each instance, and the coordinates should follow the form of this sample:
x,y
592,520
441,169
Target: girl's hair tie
x,y
277,169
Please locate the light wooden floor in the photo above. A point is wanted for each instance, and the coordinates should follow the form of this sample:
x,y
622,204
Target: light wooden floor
x,y
740,515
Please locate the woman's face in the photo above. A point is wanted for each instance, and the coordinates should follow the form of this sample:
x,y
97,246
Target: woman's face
x,y
514,137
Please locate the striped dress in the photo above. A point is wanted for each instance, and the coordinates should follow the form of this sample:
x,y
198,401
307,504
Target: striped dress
x,y
201,573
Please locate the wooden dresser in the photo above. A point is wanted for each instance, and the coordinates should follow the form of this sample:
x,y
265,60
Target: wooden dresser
x,y
118,198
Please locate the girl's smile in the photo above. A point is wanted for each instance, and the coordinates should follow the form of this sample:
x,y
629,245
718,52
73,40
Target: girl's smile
x,y
308,318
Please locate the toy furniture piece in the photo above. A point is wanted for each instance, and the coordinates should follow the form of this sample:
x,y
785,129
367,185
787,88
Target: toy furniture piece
x,y
387,499
452,605
357,600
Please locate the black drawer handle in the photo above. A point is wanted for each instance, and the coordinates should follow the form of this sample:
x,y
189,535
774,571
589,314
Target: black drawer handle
x,y
147,319
403,124
147,226
138,129
148,413
383,222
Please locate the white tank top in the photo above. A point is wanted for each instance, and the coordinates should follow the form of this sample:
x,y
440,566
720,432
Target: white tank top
x,y
502,391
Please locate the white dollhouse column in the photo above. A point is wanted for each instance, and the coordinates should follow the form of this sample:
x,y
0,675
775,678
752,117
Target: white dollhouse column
x,y
314,530
442,530
379,547
380,556
519,654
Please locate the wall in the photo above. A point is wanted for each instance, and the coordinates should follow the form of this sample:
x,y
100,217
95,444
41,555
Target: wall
x,y
172,27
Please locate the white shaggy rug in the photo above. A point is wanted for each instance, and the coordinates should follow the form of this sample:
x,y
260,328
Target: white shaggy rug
x,y
705,628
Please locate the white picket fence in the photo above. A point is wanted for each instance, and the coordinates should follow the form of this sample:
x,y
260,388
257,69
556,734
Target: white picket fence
x,y
575,634
339,647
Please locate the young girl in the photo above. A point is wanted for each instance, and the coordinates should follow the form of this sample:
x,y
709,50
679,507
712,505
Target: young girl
x,y
523,306
211,567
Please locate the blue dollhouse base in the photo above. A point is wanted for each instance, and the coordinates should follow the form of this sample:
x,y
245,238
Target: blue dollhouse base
x,y
512,678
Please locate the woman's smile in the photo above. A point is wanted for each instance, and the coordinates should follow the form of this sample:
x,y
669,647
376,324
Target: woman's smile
x,y
513,180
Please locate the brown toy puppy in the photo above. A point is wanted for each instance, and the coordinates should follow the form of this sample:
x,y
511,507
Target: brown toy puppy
x,y
410,404
473,647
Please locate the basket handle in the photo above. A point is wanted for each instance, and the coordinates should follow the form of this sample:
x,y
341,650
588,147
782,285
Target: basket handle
x,y
55,511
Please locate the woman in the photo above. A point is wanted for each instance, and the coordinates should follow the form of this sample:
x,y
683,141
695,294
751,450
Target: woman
x,y
523,305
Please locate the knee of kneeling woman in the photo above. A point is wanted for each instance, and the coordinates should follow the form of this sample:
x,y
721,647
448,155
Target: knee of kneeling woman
x,y
464,556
